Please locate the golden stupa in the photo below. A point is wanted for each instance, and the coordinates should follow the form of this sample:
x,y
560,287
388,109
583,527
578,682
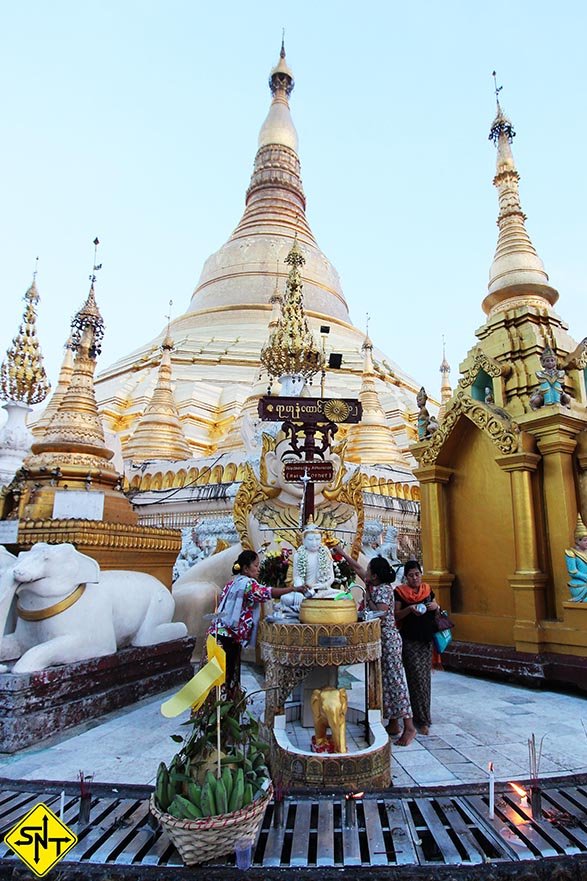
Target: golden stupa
x,y
218,340
504,476
68,489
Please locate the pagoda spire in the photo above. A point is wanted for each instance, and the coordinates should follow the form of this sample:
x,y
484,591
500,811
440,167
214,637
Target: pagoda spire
x,y
76,426
159,433
517,272
22,375
65,374
371,441
445,387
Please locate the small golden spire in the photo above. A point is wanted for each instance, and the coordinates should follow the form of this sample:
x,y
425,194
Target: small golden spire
x,y
291,349
65,374
517,271
76,425
22,375
159,433
371,441
445,388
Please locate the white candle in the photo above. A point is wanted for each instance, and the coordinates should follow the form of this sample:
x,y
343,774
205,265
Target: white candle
x,y
491,791
62,805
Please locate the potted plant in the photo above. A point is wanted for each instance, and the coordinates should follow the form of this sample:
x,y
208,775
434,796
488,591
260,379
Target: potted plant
x,y
212,797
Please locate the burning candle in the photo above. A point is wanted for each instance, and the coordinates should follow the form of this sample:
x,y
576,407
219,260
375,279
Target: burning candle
x,y
491,791
522,793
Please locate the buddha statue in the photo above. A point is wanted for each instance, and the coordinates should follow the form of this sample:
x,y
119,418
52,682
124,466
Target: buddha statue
x,y
576,560
313,571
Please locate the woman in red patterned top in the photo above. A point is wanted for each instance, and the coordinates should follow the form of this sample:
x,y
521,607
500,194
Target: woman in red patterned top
x,y
239,610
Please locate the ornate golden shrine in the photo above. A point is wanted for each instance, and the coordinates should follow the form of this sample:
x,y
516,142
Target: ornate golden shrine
x,y
501,482
290,652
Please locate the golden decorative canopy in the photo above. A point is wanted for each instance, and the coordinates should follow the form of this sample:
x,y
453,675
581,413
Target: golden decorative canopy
x,y
291,349
22,375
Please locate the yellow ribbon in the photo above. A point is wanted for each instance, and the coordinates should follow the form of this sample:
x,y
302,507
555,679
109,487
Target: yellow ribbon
x,y
194,693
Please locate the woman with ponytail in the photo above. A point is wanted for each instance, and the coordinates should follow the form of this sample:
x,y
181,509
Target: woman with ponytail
x,y
237,617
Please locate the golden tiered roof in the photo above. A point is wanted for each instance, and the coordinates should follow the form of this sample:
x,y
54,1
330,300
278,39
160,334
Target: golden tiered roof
x,y
22,375
159,433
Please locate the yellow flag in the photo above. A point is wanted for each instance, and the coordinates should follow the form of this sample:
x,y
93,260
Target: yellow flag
x,y
195,692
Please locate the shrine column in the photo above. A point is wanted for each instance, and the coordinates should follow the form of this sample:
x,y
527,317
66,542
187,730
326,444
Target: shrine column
x,y
581,454
435,537
528,581
556,435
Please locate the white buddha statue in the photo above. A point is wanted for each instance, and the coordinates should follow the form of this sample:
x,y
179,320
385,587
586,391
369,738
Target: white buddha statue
x,y
313,572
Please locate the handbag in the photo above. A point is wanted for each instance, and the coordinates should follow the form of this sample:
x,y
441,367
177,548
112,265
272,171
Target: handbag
x,y
442,639
442,621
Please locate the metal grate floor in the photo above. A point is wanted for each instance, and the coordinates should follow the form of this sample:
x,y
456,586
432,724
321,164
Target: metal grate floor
x,y
413,830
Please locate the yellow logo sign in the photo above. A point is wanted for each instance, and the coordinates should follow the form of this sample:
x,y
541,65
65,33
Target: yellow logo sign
x,y
40,839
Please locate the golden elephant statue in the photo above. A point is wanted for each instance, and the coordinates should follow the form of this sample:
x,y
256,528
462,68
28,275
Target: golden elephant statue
x,y
329,706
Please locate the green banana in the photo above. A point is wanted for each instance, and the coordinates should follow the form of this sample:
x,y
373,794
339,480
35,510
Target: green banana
x,y
228,781
247,794
175,809
236,798
221,797
190,811
208,803
162,787
195,794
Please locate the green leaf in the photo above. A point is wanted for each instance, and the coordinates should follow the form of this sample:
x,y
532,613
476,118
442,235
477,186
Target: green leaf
x,y
177,738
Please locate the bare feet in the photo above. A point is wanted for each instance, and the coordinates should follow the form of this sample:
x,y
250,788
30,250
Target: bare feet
x,y
408,735
424,729
393,727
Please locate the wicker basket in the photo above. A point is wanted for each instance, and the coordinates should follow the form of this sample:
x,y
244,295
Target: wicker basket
x,y
212,837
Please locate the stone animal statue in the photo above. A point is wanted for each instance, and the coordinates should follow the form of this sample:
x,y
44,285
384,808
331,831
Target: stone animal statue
x,y
68,610
329,706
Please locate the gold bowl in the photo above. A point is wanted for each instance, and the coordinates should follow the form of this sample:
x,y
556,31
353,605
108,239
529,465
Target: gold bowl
x,y
328,612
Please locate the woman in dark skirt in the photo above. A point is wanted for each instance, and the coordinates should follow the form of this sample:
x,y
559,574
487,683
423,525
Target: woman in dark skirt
x,y
415,613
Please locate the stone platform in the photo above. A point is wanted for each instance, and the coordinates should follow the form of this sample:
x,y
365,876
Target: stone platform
x,y
34,706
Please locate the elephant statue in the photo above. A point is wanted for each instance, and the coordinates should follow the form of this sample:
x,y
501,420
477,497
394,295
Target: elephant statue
x,y
329,706
68,610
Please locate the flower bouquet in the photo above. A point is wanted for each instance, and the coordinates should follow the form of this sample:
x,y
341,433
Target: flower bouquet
x,y
212,797
344,576
273,570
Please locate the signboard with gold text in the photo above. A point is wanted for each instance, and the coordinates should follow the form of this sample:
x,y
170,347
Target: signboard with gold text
x,y
339,410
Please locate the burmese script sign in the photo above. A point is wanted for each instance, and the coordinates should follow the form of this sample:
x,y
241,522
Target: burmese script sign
x,y
319,472
339,410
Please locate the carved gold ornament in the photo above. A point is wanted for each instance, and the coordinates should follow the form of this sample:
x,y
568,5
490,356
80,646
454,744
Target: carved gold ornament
x,y
336,411
505,434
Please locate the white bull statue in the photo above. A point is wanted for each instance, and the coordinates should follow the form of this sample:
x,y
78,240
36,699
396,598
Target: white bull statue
x,y
68,610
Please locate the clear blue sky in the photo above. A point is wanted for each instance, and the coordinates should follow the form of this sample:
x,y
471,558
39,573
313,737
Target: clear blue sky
x,y
137,122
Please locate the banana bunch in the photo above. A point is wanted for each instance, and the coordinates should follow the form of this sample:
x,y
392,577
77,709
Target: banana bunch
x,y
241,779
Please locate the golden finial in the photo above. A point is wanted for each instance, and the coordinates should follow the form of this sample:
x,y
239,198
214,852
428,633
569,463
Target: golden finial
x,y
89,315
501,124
291,349
22,375
168,342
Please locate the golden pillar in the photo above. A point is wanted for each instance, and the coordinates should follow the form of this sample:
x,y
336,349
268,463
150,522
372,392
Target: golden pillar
x,y
581,453
556,435
433,479
528,581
